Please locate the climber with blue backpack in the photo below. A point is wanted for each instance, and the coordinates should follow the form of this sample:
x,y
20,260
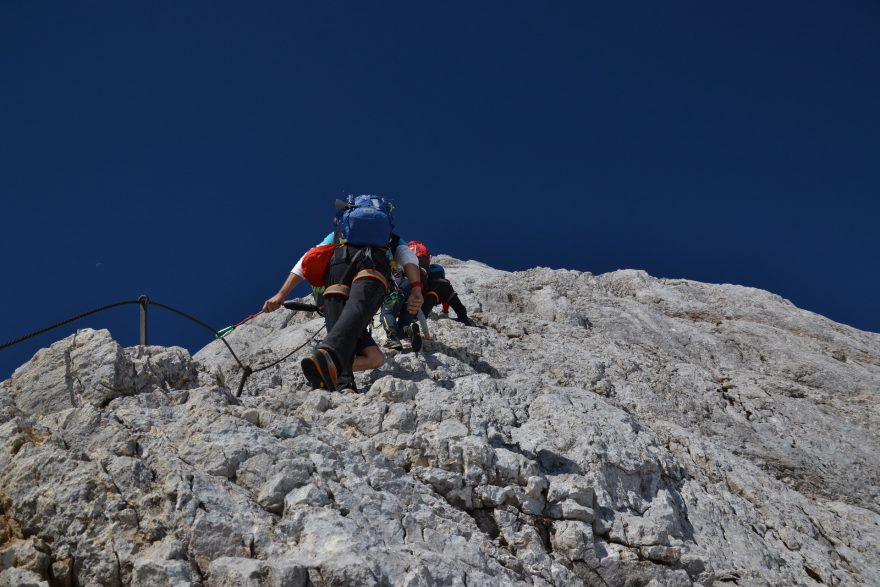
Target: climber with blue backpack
x,y
353,265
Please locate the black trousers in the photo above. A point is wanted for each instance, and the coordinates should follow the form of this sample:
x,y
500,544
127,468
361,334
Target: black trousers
x,y
346,317
440,291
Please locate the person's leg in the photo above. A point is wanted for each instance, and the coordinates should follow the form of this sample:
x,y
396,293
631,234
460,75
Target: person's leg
x,y
366,356
388,312
365,297
460,310
334,297
432,298
404,318
388,317
323,367
366,353
446,293
348,310
333,306
369,358
440,291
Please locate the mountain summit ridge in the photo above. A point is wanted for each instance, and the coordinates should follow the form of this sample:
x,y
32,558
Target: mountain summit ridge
x,y
615,429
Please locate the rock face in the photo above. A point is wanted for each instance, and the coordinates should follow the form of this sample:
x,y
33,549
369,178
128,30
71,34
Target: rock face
x,y
597,430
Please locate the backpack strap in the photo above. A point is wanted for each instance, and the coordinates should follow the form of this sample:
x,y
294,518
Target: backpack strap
x,y
353,261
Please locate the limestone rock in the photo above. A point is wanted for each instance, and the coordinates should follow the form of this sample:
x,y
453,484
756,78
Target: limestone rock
x,y
594,430
15,577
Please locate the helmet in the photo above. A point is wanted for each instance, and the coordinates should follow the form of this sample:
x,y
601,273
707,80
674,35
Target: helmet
x,y
421,251
418,248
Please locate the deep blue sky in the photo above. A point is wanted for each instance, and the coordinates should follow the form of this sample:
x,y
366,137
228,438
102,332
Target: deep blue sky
x,y
193,151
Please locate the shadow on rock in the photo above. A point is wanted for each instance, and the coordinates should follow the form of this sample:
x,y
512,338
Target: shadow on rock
x,y
479,365
552,463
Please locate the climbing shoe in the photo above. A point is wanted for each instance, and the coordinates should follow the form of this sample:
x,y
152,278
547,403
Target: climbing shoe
x,y
394,343
319,369
415,336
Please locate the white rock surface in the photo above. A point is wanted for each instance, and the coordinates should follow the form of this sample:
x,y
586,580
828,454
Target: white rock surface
x,y
599,430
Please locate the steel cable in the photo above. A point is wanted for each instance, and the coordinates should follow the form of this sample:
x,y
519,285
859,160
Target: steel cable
x,y
246,369
247,372
202,324
25,337
288,355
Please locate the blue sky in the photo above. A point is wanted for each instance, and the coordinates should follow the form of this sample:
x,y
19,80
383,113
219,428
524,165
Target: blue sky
x,y
192,151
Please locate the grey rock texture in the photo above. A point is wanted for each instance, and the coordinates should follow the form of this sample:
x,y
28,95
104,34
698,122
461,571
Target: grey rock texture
x,y
597,430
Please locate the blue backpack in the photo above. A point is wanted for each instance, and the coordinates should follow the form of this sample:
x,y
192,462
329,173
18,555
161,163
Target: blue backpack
x,y
366,221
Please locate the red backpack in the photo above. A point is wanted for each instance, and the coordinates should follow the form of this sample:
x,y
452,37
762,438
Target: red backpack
x,y
316,262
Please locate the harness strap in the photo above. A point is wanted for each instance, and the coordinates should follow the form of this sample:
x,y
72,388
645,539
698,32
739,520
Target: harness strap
x,y
371,273
433,293
337,290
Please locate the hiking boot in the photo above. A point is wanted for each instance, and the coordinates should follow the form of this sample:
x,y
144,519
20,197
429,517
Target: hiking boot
x,y
319,369
393,343
415,336
465,320
347,388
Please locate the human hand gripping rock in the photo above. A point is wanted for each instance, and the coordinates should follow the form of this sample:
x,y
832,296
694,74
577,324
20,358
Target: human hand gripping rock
x,y
273,303
415,301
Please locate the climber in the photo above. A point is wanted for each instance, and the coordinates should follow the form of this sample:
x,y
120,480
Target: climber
x,y
354,263
438,290
398,324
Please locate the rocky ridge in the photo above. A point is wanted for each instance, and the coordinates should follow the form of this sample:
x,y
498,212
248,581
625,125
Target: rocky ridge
x,y
597,430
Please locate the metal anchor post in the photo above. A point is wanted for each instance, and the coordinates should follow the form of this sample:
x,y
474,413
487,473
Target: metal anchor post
x,y
145,303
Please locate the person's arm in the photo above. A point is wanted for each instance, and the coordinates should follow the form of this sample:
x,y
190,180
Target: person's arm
x,y
407,259
416,299
426,334
293,280
290,283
